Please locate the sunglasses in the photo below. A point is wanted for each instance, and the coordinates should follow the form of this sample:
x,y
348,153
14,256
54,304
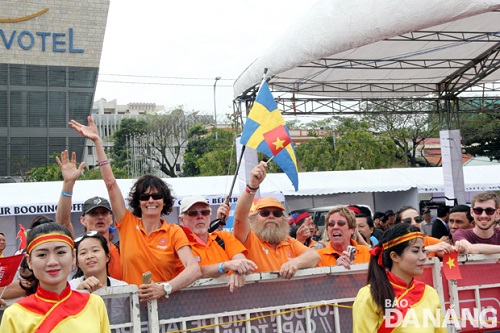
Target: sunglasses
x,y
85,235
146,196
417,219
479,210
193,213
267,212
339,223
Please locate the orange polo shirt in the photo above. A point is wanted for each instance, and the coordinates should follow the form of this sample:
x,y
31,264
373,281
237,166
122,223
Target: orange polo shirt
x,y
328,254
266,257
114,264
212,253
157,252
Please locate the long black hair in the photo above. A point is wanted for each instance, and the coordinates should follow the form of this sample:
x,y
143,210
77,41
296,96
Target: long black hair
x,y
380,287
104,244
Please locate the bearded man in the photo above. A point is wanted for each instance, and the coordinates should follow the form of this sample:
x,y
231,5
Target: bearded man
x,y
265,232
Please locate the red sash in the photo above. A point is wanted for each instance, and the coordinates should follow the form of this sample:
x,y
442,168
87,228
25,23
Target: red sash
x,y
411,294
54,308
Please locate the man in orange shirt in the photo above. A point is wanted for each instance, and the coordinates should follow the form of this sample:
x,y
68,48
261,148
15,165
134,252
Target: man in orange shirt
x,y
218,253
96,211
265,233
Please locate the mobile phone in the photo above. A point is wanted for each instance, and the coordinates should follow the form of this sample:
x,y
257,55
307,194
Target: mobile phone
x,y
146,278
352,252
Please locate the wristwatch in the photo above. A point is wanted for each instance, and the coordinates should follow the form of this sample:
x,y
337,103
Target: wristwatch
x,y
168,289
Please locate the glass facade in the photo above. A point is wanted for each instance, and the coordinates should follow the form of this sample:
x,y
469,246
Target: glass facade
x,y
36,104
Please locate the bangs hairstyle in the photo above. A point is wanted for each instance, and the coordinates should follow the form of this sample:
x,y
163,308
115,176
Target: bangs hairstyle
x,y
155,184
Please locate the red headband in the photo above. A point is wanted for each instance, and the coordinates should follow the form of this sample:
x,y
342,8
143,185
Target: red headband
x,y
50,238
377,251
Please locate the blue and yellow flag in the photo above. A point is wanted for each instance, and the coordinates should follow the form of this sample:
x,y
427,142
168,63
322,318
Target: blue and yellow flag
x,y
265,130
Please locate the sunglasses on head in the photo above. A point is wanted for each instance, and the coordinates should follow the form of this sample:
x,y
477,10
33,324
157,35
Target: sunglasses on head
x,y
479,210
85,235
193,213
146,196
267,212
417,219
339,223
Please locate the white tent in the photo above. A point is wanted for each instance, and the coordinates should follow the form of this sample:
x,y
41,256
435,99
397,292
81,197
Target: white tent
x,y
380,49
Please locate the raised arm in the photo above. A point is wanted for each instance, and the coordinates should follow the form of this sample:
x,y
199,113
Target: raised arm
x,y
70,173
245,201
115,195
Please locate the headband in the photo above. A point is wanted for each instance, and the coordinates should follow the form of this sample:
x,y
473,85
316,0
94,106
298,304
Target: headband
x,y
50,238
377,251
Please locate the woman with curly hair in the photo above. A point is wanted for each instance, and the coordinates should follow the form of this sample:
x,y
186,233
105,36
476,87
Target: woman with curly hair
x,y
147,242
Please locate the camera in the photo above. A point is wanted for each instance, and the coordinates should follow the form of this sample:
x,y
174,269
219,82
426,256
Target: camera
x,y
352,253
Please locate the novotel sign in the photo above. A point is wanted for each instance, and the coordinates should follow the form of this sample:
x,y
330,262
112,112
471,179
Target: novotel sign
x,y
44,41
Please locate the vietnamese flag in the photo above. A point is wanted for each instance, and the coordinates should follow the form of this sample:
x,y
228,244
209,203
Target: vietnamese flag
x,y
450,266
8,268
277,139
22,236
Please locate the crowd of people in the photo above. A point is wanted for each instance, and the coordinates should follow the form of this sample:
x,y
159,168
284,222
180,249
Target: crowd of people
x,y
264,239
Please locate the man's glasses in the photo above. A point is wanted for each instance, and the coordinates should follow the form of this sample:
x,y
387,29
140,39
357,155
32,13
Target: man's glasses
x,y
417,219
146,196
479,210
267,212
193,213
86,235
340,223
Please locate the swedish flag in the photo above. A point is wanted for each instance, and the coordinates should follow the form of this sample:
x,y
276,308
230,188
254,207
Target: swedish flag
x,y
265,130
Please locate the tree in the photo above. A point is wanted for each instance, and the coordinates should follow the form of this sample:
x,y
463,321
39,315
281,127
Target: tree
x,y
155,143
316,155
480,135
207,156
129,128
408,130
52,172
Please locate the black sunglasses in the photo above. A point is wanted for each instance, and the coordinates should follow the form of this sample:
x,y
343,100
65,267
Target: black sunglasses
x,y
417,219
193,213
479,210
146,196
267,212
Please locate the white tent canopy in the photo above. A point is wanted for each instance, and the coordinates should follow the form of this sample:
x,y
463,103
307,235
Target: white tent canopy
x,y
425,180
384,48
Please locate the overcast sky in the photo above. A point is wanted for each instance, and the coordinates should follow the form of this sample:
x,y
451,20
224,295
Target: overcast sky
x,y
150,43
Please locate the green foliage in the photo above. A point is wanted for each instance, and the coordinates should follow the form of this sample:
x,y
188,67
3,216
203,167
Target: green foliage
x,y
316,155
129,127
207,156
480,135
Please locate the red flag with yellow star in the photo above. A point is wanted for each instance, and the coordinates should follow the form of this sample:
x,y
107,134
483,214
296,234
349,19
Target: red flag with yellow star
x,y
450,266
277,139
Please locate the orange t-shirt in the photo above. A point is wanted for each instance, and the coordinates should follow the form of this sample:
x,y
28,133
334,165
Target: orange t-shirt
x,y
266,257
328,254
114,264
156,253
428,240
212,253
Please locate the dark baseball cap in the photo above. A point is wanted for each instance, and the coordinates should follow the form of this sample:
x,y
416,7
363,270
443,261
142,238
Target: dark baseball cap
x,y
95,202
389,212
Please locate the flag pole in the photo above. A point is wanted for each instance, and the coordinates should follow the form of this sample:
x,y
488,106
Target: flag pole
x,y
222,221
